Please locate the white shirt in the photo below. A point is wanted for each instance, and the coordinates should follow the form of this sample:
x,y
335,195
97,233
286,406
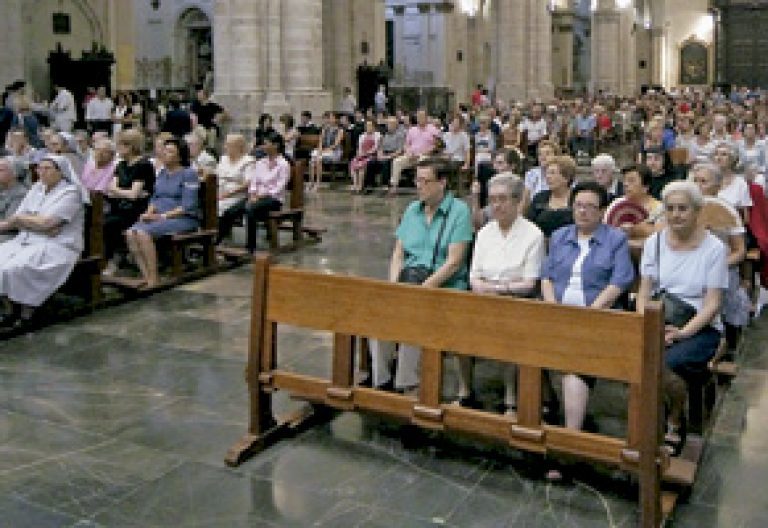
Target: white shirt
x,y
515,256
736,193
574,292
64,105
536,129
457,145
99,109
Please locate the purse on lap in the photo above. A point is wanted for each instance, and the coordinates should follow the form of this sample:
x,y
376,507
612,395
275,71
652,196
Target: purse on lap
x,y
419,274
677,312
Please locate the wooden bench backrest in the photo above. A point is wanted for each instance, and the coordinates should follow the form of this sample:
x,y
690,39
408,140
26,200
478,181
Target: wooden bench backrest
x,y
209,201
532,333
308,141
296,185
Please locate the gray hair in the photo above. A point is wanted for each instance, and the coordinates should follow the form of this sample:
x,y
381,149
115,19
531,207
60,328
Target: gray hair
x,y
512,182
711,168
686,187
604,160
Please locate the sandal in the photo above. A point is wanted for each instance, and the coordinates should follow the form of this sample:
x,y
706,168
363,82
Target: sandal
x,y
675,437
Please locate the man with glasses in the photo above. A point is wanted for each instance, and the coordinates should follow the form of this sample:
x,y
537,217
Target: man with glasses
x,y
434,233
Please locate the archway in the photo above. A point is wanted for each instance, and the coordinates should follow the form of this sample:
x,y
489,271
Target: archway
x,y
194,49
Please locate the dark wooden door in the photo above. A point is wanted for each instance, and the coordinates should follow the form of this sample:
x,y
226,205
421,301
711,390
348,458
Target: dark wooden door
x,y
745,34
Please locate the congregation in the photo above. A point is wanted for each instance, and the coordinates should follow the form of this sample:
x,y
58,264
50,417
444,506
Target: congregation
x,y
513,198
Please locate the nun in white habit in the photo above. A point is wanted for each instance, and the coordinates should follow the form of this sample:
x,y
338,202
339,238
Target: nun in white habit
x,y
39,259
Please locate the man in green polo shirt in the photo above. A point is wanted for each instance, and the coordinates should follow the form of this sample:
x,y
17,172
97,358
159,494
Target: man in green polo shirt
x,y
435,233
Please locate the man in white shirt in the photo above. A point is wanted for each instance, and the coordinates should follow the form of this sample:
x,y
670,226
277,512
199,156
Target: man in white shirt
x,y
535,127
98,113
63,109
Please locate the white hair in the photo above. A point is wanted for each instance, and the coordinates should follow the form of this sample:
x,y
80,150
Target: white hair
x,y
512,182
604,160
685,187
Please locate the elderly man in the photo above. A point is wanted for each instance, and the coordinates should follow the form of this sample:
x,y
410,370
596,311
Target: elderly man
x,y
390,147
98,112
604,173
12,192
419,141
99,171
535,127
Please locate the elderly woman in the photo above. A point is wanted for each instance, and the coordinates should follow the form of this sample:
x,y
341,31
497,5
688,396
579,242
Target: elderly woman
x,y
98,172
551,209
41,256
12,192
173,208
588,265
690,262
604,172
507,261
735,300
733,188
637,184
128,194
433,236
233,184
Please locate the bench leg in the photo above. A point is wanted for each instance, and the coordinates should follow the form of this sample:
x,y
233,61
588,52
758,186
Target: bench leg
x,y
209,254
274,241
177,256
298,232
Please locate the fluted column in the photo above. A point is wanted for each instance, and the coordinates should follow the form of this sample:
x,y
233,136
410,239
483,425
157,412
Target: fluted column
x,y
275,102
11,41
613,49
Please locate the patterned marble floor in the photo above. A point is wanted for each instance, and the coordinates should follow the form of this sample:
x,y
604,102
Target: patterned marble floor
x,y
122,418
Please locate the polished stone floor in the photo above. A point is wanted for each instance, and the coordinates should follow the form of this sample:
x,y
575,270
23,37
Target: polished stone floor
x,y
123,417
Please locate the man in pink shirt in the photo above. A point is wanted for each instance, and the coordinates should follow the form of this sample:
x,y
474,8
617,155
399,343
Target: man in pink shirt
x,y
267,179
420,141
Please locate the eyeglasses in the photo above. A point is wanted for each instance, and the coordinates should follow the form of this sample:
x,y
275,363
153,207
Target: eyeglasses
x,y
423,181
585,206
681,208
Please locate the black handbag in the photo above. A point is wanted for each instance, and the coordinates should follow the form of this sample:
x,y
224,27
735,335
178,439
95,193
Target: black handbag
x,y
419,274
677,312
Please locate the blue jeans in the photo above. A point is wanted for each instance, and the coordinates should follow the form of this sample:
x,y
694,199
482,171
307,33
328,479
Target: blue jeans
x,y
688,358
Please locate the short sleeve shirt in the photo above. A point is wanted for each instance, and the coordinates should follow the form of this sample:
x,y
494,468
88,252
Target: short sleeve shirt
x,y
736,193
419,237
514,256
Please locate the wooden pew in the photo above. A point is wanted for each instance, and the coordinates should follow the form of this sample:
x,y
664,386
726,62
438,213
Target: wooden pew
x,y
204,239
292,217
85,279
546,336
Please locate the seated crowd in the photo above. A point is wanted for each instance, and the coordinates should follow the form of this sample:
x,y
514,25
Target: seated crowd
x,y
535,227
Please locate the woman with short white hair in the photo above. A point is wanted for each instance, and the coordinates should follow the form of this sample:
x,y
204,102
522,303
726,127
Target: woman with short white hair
x,y
604,171
687,265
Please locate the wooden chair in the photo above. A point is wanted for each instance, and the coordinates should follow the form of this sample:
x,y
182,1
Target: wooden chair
x,y
628,348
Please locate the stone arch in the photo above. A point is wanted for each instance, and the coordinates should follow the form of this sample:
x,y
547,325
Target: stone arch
x,y
193,48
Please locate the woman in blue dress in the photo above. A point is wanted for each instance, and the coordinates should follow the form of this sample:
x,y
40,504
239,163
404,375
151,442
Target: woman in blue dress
x,y
173,208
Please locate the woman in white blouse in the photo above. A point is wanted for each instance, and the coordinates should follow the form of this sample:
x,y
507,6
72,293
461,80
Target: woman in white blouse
x,y
734,188
507,260
233,186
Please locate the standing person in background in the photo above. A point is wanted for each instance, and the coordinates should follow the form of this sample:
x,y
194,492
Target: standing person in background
x,y
380,100
348,102
98,111
209,114
177,120
63,109
535,127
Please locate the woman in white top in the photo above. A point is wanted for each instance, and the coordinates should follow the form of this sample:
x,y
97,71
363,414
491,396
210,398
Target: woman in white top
x,y
690,262
734,188
457,142
233,185
751,149
507,260
701,148
38,260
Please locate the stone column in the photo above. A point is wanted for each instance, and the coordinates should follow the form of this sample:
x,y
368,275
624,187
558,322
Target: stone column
x,y
524,40
562,47
613,49
657,55
122,40
11,42
275,102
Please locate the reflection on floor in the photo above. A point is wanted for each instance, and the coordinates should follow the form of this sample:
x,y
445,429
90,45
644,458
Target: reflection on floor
x,y
122,418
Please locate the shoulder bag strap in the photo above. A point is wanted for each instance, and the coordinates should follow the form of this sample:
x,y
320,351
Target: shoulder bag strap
x,y
439,237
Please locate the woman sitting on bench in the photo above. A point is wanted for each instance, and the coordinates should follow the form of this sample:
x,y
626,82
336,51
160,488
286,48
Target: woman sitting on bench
x,y
690,263
588,265
174,208
42,255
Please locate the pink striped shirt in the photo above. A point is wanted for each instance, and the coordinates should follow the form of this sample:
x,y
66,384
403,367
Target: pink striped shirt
x,y
421,140
268,177
97,179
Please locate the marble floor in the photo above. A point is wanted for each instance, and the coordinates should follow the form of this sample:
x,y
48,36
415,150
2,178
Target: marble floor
x,y
123,417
